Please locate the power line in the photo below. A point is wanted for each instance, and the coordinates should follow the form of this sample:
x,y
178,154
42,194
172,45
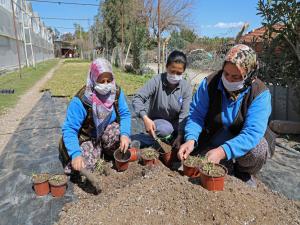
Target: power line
x,y
64,3
59,18
69,28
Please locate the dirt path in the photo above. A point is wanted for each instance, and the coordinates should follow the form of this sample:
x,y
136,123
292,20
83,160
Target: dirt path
x,y
11,119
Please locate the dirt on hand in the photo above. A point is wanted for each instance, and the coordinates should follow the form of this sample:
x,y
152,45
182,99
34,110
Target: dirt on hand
x,y
157,195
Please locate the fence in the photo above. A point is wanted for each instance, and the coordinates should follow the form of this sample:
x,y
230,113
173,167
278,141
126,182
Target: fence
x,y
33,39
285,103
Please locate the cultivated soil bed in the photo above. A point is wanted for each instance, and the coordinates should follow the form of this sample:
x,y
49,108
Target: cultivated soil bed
x,y
157,195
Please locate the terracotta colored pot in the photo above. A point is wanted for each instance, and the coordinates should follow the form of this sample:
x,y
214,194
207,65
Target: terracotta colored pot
x,y
122,160
58,189
191,171
168,158
213,183
41,187
135,154
149,162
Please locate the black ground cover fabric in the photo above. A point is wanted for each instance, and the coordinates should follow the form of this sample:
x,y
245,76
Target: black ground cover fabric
x,y
34,148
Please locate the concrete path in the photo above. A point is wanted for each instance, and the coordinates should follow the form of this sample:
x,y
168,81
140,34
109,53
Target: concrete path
x,y
11,119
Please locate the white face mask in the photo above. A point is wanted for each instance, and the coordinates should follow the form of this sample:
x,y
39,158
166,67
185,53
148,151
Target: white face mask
x,y
232,86
174,79
103,89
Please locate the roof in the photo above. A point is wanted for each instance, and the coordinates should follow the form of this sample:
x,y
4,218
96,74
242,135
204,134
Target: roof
x,y
257,34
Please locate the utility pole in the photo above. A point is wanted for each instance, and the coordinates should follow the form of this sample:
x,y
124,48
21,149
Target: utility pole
x,y
24,35
122,32
158,36
16,36
81,53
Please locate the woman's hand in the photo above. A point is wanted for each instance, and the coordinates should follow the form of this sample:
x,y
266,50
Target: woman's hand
x,y
78,163
177,142
124,143
149,126
216,155
185,150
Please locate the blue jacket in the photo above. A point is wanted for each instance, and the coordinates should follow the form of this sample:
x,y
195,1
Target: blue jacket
x,y
254,128
76,114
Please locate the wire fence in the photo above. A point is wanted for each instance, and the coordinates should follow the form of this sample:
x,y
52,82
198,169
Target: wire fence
x,y
24,38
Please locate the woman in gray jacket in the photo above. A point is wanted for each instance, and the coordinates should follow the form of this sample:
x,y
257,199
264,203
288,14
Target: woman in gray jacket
x,y
168,96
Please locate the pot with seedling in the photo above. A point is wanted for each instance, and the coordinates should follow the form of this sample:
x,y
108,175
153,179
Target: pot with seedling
x,y
122,159
191,166
212,176
167,154
41,184
149,156
58,185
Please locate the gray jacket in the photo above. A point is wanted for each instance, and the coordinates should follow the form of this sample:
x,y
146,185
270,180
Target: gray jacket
x,y
164,103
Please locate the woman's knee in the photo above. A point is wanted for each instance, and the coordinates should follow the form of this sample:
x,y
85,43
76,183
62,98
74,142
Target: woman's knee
x,y
253,161
163,127
110,139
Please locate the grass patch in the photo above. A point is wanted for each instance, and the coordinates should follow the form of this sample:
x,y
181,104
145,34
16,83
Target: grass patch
x,y
12,80
129,82
71,76
78,60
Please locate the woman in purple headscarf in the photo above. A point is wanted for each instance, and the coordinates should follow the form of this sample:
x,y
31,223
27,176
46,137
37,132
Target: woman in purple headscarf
x,y
98,119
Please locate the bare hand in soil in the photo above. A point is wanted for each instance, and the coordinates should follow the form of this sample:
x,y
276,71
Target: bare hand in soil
x,y
216,155
149,126
185,149
124,143
78,163
177,142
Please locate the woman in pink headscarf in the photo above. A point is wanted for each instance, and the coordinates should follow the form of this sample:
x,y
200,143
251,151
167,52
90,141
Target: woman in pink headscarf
x,y
98,119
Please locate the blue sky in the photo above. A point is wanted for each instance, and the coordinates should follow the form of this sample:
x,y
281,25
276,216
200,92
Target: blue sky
x,y
208,17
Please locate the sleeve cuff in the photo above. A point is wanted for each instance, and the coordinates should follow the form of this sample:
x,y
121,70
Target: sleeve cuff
x,y
227,150
190,138
142,113
125,134
75,154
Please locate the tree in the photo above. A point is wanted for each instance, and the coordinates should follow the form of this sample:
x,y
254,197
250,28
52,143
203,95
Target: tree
x,y
282,21
69,37
286,13
174,14
188,35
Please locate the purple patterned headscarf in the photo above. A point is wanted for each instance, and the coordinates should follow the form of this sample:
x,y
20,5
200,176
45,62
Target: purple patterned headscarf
x,y
102,105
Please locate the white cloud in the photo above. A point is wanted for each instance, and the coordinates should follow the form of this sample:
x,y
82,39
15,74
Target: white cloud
x,y
223,25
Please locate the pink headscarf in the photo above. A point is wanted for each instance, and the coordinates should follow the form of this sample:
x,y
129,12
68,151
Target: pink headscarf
x,y
102,105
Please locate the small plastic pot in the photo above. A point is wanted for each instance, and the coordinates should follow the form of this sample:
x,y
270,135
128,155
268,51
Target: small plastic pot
x,y
213,183
168,157
150,161
41,186
122,160
58,186
135,154
191,171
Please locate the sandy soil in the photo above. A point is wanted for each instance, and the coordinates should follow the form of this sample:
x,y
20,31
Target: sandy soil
x,y
142,195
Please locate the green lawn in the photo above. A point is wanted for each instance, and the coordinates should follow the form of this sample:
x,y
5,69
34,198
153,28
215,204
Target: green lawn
x,y
71,76
12,80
